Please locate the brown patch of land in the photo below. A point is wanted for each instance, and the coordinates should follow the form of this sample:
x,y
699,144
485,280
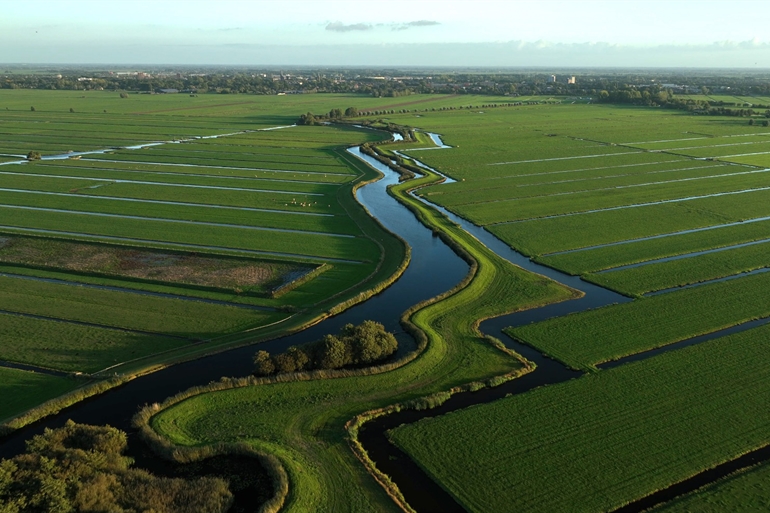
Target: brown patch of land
x,y
235,274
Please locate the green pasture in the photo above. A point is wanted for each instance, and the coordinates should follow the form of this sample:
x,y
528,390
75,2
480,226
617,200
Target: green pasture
x,y
189,319
507,210
191,175
314,450
668,244
583,340
598,442
176,210
543,236
686,271
499,190
72,347
742,492
22,390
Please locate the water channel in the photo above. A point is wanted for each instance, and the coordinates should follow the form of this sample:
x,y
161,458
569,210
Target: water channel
x,y
434,268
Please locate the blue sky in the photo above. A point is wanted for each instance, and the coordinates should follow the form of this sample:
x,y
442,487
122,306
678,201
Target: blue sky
x,y
691,33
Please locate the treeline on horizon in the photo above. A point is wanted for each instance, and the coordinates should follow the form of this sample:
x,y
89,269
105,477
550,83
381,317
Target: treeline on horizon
x,y
619,87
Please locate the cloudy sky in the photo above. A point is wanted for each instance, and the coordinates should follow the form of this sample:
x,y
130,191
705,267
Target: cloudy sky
x,y
585,33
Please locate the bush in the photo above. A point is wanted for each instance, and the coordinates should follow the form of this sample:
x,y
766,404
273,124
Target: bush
x,y
82,468
355,345
33,155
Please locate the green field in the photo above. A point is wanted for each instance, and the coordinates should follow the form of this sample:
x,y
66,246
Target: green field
x,y
22,390
278,202
598,442
742,492
585,339
583,188
315,449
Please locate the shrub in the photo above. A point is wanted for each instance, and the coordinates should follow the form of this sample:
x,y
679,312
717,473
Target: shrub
x,y
355,345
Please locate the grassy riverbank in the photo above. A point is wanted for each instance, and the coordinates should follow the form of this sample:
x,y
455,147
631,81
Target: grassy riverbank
x,y
302,421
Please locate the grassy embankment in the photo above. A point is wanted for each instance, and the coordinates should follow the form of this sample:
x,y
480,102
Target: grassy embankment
x,y
302,422
606,433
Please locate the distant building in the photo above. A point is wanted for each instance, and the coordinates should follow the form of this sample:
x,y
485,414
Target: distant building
x,y
571,80
553,78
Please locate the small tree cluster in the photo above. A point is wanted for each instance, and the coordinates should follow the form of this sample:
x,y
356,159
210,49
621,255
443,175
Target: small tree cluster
x,y
355,345
81,468
33,155
313,119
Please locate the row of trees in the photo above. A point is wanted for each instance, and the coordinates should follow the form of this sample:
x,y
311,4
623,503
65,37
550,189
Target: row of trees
x,y
82,468
318,119
364,344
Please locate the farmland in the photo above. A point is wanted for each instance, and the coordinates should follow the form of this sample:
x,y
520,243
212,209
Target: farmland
x,y
598,441
454,355
145,248
140,255
745,491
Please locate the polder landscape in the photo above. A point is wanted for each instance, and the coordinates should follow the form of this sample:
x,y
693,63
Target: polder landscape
x,y
576,280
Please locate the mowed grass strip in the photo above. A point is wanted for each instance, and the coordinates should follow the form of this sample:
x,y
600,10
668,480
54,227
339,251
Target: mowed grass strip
x,y
542,236
558,204
110,168
608,257
685,271
527,185
21,390
583,340
171,210
310,245
72,347
603,440
128,310
744,492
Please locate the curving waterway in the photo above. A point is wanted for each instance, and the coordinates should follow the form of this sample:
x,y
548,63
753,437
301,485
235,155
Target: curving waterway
x,y
434,268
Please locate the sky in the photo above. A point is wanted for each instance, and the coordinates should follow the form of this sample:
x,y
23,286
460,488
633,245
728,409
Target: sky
x,y
516,33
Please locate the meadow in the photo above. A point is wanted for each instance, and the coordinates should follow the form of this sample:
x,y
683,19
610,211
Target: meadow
x,y
597,442
582,188
277,201
742,492
315,450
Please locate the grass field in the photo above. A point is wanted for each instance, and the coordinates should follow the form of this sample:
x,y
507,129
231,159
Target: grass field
x,y
314,450
743,492
22,390
585,339
583,188
175,218
597,442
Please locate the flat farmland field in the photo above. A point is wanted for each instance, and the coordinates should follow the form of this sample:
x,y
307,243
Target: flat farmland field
x,y
742,492
22,390
157,223
641,201
597,442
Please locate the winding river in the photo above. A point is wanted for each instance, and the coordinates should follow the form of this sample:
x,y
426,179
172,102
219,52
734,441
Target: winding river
x,y
434,268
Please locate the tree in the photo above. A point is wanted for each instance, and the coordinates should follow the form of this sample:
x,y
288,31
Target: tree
x,y
335,113
751,121
32,109
72,110
124,95
263,363
33,155
351,112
